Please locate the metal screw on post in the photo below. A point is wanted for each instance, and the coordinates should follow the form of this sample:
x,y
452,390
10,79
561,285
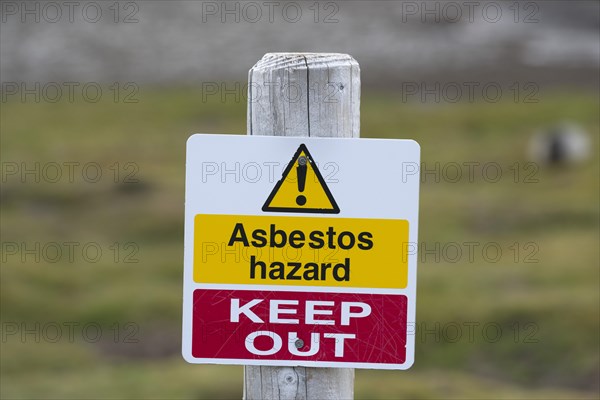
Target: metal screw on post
x,y
302,94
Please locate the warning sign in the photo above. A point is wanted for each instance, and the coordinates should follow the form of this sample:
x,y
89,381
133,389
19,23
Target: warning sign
x,y
322,328
267,250
301,188
300,251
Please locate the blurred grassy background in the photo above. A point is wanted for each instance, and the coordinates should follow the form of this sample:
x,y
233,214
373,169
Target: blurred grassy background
x,y
553,352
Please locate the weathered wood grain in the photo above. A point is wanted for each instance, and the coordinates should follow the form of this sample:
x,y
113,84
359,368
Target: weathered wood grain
x,y
302,94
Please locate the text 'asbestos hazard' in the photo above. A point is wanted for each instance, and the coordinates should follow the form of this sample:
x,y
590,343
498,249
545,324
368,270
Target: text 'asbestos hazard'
x,y
244,249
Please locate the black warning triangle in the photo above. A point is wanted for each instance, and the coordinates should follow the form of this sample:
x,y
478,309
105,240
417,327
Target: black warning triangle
x,y
301,188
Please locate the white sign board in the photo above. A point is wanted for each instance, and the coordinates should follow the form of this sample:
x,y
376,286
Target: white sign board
x,y
300,251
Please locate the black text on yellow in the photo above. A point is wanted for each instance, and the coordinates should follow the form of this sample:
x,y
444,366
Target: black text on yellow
x,y
327,238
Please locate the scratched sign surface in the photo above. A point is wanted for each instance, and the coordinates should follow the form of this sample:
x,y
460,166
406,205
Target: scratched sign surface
x,y
300,251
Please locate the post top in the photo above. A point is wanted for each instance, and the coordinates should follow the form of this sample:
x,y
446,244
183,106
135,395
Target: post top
x,y
271,61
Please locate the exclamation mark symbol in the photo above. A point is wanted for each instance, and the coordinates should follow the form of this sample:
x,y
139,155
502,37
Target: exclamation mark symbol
x,y
301,172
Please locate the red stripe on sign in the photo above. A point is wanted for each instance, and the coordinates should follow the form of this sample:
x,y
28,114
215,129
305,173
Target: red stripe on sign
x,y
274,325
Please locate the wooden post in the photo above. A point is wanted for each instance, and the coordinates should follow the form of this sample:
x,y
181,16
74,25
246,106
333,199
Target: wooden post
x,y
302,94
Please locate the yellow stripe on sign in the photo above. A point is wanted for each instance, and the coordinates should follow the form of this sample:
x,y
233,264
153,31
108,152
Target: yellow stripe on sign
x,y
300,251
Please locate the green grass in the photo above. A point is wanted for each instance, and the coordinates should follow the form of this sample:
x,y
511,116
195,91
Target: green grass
x,y
547,309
